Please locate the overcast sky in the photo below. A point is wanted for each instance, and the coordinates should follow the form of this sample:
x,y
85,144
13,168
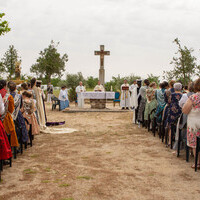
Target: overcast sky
x,y
138,33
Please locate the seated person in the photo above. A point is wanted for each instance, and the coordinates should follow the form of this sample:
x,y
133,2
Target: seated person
x,y
99,87
63,97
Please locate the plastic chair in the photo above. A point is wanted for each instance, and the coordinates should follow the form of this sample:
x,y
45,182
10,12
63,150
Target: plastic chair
x,y
117,98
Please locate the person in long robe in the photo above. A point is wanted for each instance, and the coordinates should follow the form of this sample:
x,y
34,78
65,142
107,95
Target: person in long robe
x,y
79,90
63,97
37,94
125,96
5,150
6,116
18,118
133,90
99,87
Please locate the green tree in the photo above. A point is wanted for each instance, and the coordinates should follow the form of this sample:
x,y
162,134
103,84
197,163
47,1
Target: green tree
x,y
153,78
184,64
4,28
8,61
50,63
91,82
72,81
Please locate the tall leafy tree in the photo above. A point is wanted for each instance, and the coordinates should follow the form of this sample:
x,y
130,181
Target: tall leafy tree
x,y
153,78
4,27
91,82
8,61
50,63
184,64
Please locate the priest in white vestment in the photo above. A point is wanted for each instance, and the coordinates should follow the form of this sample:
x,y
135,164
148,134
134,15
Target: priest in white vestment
x,y
99,87
63,97
133,99
125,96
79,90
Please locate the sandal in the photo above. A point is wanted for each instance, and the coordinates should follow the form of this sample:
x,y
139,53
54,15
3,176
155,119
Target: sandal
x,y
193,166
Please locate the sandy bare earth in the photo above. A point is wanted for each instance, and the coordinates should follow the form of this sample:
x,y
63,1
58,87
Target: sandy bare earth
x,y
108,158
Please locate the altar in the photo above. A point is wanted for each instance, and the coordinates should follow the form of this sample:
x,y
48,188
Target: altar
x,y
98,99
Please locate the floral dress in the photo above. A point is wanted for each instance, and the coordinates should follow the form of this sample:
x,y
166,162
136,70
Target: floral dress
x,y
193,122
174,109
151,103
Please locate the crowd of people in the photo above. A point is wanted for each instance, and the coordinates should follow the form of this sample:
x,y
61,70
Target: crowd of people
x,y
170,107
21,108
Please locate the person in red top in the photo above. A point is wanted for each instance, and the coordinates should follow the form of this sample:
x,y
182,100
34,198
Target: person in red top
x,y
5,150
6,117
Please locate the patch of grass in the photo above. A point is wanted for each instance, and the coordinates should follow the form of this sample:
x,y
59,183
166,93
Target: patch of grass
x,y
84,177
151,174
1,180
34,156
67,199
64,185
46,181
108,152
29,171
48,169
84,158
57,180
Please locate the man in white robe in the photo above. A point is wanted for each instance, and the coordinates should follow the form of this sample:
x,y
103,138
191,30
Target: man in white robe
x,y
99,87
125,96
79,90
133,99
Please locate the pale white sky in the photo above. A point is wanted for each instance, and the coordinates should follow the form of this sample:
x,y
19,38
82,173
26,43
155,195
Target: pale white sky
x,y
138,33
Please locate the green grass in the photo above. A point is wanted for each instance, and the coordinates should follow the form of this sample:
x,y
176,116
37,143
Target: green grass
x,y
64,185
34,156
84,177
46,181
29,171
57,180
56,92
67,199
48,169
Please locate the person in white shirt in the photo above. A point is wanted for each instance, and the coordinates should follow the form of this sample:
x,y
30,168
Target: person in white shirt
x,y
63,97
133,99
79,90
99,87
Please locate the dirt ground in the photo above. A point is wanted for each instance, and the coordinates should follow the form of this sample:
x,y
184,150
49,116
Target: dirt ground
x,y
108,158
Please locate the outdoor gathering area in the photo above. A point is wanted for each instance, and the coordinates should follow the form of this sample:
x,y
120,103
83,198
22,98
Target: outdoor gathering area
x,y
99,100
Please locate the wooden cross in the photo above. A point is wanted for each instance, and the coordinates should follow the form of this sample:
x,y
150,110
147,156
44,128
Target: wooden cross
x,y
102,53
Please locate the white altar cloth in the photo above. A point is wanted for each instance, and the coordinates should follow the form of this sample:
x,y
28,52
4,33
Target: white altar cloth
x,y
98,95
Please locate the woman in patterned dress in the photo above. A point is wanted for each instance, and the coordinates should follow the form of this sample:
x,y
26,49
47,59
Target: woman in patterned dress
x,y
28,110
18,118
192,109
151,101
174,108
